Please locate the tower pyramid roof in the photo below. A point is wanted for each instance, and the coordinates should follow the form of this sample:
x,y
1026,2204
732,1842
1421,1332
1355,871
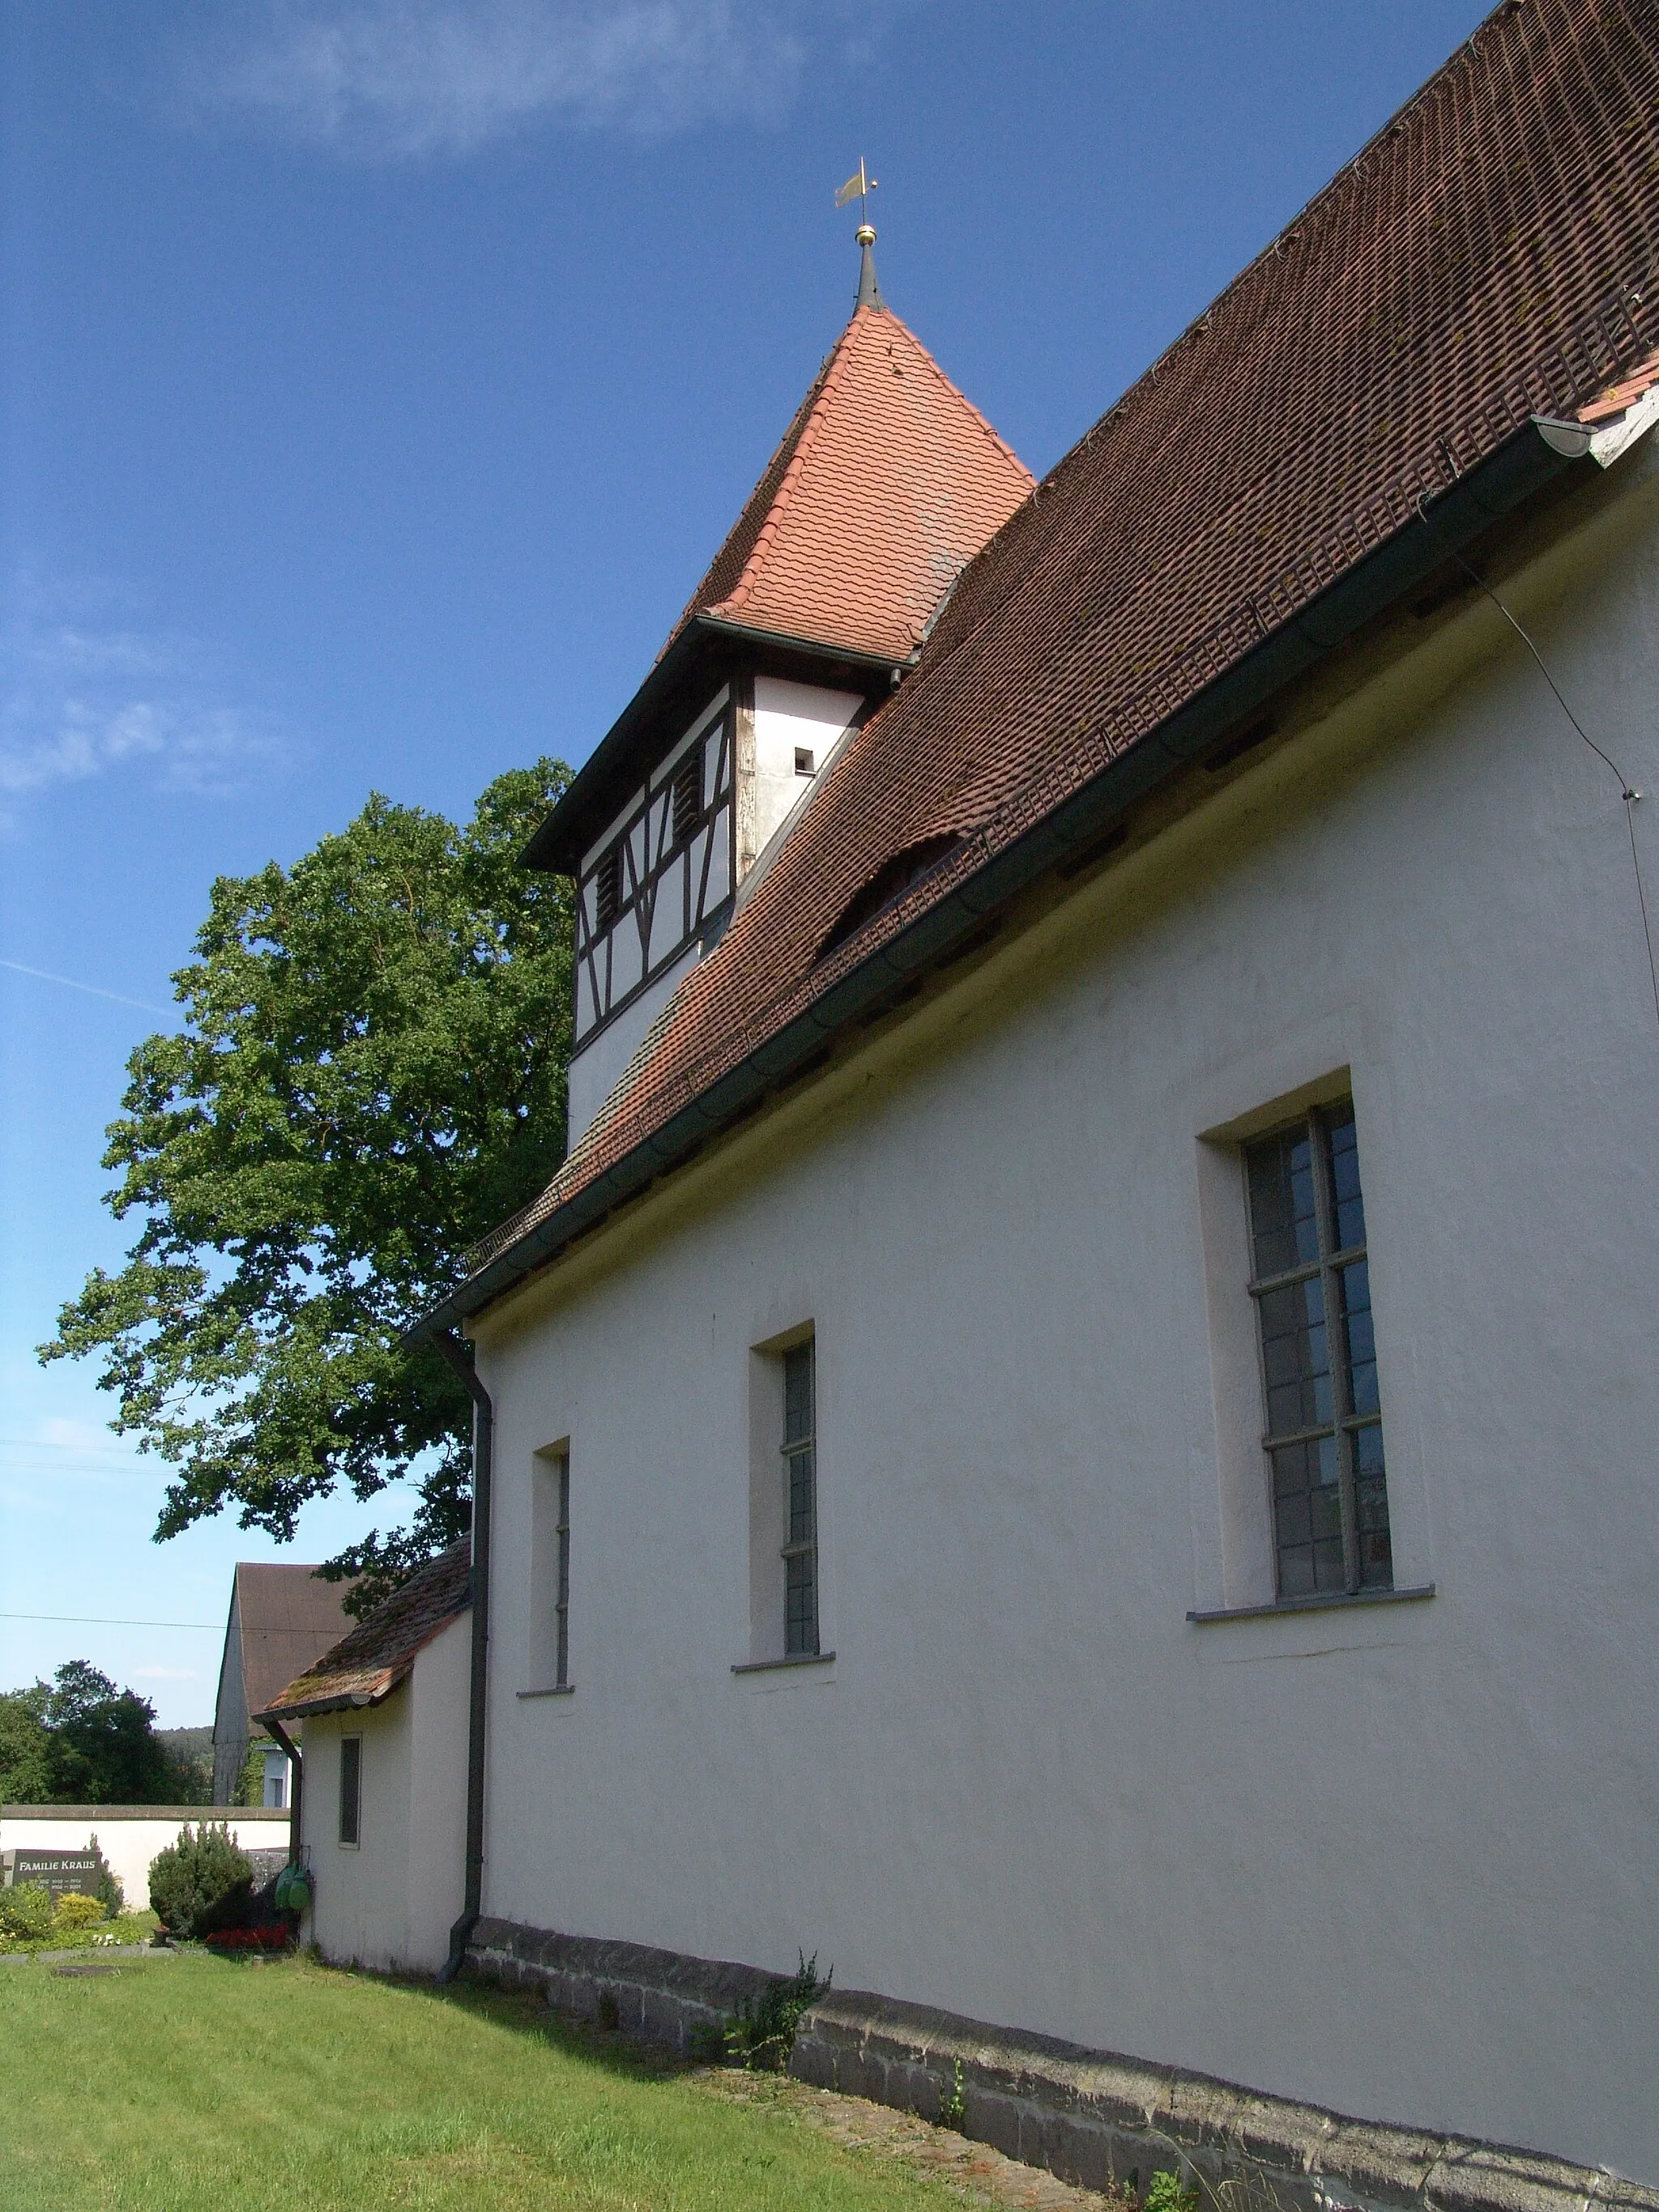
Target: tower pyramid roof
x,y
886,484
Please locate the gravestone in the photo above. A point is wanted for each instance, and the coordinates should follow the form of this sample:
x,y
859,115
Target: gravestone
x,y
65,1874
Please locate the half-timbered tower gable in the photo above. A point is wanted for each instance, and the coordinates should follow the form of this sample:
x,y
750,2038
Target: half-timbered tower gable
x,y
886,483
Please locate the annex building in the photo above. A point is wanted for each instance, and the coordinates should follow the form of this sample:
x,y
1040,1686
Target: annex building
x,y
1075,1435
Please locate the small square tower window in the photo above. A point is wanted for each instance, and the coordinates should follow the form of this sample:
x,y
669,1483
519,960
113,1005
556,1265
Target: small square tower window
x,y
805,760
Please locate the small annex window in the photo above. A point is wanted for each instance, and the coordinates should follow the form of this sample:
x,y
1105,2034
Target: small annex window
x,y
687,795
351,1791
1323,1431
800,1504
607,888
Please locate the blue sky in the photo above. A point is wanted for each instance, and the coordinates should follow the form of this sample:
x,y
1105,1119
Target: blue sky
x,y
379,376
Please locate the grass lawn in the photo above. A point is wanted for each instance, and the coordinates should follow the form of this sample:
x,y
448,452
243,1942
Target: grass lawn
x,y
200,2083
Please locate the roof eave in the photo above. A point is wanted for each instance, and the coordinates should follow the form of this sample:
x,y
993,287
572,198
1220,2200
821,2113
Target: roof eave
x,y
1532,458
344,1702
583,811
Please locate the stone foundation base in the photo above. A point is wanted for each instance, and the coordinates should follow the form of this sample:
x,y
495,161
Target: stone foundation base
x,y
1093,2119
656,1996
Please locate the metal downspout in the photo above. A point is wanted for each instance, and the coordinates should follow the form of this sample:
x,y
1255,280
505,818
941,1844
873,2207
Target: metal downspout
x,y
459,1357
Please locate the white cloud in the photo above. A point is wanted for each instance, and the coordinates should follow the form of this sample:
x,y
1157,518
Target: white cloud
x,y
82,697
391,79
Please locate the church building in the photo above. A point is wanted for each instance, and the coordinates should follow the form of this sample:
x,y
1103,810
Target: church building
x,y
1075,1435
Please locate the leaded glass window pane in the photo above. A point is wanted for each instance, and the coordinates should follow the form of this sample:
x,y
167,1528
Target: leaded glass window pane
x,y
800,1552
1321,1398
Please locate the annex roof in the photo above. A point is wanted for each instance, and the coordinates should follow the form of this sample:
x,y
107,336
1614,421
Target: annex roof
x,y
368,1665
285,1618
1491,255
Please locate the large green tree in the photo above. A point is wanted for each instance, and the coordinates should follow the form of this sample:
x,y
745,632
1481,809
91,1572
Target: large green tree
x,y
371,1074
79,1741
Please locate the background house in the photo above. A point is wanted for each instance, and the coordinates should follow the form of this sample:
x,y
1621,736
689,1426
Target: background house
x,y
282,1619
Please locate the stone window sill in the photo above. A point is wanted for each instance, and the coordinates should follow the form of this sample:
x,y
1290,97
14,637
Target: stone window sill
x,y
559,1690
1294,1605
796,1659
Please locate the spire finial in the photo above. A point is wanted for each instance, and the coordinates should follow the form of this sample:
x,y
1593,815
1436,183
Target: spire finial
x,y
859,186
869,289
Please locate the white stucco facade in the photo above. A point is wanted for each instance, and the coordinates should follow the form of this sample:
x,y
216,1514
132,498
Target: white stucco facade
x,y
1396,1859
390,1900
796,726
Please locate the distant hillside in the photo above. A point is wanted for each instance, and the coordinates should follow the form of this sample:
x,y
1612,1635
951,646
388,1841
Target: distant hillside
x,y
187,1743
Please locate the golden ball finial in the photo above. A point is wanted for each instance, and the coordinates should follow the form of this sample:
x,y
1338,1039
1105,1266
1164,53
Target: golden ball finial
x,y
864,234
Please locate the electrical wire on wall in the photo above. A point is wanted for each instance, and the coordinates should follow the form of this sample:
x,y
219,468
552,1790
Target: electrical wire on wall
x,y
1627,790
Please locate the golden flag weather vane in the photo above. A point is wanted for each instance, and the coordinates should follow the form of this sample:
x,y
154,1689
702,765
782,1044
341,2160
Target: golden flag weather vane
x,y
859,186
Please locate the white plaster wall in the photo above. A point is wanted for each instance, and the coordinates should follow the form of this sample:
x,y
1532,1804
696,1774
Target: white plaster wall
x,y
438,1689
1398,1859
593,1072
788,714
129,1842
361,1897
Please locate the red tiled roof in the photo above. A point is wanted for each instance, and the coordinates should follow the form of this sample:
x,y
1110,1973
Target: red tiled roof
x,y
1493,252
886,484
368,1665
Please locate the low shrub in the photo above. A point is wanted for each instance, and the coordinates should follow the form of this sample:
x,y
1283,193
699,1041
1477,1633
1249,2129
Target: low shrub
x,y
26,1912
191,1881
76,1911
761,2035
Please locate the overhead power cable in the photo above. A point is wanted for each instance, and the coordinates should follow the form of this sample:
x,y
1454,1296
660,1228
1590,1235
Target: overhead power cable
x,y
103,1621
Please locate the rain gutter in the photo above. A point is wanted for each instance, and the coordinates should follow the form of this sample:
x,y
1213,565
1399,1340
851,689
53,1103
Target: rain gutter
x,y
460,1356
1537,455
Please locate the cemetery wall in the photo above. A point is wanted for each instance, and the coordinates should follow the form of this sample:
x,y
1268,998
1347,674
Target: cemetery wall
x,y
129,1836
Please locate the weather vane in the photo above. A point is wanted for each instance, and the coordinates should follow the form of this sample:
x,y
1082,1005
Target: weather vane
x,y
859,186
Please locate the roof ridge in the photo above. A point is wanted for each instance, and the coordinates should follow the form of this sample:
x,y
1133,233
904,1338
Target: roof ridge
x,y
827,380
1433,87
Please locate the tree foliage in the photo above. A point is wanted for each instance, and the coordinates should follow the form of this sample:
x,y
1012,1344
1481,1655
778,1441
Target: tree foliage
x,y
79,1741
371,1075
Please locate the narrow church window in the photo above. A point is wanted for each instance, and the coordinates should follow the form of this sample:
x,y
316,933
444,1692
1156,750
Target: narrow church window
x,y
800,1552
804,762
1323,1433
561,1585
687,795
607,889
351,1790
